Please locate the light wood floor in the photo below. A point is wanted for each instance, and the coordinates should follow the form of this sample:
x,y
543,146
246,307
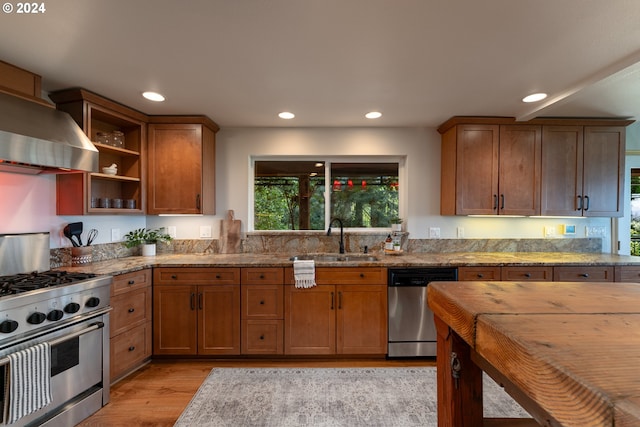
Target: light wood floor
x,y
157,394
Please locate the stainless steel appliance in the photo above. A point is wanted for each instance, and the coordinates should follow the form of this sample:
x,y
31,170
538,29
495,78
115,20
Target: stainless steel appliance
x,y
412,332
68,310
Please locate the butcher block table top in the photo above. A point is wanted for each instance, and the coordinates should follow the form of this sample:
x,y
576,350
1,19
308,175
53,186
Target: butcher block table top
x,y
568,352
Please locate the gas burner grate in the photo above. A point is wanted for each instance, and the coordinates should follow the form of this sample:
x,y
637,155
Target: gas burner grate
x,y
18,283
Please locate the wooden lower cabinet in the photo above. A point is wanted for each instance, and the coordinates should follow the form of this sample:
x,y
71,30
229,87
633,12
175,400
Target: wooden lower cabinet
x,y
527,273
130,322
583,274
262,311
346,313
479,273
202,318
627,273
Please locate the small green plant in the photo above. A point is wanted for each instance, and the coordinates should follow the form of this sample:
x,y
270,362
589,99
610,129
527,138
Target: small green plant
x,y
145,236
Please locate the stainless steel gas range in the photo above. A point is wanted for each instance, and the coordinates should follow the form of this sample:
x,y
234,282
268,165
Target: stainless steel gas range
x,y
70,312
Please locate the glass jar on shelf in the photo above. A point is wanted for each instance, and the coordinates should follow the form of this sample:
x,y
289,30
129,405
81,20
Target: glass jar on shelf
x,y
117,139
104,138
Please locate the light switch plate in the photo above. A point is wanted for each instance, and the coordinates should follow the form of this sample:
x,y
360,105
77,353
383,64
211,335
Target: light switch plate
x,y
434,232
115,234
205,231
171,231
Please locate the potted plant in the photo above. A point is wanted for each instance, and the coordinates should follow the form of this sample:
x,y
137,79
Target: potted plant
x,y
396,224
147,238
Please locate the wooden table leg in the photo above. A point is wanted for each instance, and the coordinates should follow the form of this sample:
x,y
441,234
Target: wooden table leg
x,y
459,400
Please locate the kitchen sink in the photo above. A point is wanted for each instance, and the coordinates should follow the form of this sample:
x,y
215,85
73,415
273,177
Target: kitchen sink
x,y
335,257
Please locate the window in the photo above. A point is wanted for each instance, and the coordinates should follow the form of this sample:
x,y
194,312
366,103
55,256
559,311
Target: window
x,y
294,195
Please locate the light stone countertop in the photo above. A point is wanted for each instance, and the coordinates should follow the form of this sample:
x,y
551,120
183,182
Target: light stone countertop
x,y
124,265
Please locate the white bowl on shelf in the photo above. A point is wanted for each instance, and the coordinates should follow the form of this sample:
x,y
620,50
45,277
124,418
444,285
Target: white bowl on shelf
x,y
109,171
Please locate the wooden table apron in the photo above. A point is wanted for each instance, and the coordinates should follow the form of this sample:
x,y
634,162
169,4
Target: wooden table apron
x,y
568,352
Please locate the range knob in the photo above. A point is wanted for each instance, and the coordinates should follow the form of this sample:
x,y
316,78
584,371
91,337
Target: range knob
x,y
92,302
55,315
72,307
8,326
36,318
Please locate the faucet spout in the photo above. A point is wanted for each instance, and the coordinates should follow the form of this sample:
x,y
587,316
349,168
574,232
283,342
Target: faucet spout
x,y
341,249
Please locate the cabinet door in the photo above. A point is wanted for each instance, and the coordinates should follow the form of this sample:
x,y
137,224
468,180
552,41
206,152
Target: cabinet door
x,y
519,170
174,319
477,169
603,179
175,169
561,184
219,319
361,319
310,320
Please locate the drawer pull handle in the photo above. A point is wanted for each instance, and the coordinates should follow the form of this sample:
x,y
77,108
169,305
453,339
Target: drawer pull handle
x,y
331,300
362,275
200,301
132,282
132,348
585,274
173,276
217,276
480,275
193,301
131,310
527,274
261,337
262,276
262,302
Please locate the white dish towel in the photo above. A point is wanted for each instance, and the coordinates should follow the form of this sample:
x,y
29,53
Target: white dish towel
x,y
304,272
28,382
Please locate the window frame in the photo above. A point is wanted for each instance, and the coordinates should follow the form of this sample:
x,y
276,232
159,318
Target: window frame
x,y
328,160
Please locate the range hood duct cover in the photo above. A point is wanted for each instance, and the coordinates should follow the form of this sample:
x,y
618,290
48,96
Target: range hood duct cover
x,y
35,138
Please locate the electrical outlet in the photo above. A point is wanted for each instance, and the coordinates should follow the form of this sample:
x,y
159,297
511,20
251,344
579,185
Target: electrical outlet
x,y
595,231
549,231
460,231
434,232
115,234
205,231
171,231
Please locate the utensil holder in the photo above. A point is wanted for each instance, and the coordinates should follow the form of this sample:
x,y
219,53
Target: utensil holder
x,y
82,255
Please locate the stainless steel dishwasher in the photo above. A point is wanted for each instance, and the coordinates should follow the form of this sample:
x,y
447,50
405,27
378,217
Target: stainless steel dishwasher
x,y
412,332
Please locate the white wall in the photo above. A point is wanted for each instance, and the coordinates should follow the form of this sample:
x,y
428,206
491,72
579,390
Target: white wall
x,y
28,202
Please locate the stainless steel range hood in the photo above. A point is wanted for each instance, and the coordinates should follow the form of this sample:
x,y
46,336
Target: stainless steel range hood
x,y
35,138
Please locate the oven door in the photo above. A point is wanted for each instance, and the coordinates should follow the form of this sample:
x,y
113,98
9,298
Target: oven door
x,y
77,379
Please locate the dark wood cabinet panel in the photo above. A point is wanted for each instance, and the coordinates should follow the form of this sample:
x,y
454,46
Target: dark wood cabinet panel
x,y
198,312
583,170
181,158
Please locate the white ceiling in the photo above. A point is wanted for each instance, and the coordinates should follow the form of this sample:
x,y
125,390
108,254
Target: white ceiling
x,y
419,62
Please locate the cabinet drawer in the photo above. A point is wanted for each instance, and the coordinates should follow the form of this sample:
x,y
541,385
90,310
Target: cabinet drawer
x,y
262,301
130,309
527,273
479,273
345,275
131,281
262,336
196,276
628,273
583,274
255,276
130,349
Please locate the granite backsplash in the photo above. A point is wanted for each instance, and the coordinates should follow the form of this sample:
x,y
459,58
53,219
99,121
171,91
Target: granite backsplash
x,y
315,242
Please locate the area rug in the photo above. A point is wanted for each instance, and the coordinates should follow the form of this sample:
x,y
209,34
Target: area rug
x,y
353,397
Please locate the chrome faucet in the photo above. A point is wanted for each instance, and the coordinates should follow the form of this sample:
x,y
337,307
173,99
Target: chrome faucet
x,y
341,233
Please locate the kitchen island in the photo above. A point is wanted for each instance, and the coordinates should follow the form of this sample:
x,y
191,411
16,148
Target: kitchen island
x,y
567,352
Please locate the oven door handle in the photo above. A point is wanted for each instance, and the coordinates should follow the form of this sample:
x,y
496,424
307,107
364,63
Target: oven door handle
x,y
90,328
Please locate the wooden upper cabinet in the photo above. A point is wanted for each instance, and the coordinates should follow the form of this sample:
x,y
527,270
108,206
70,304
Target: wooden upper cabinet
x,y
181,165
491,169
583,170
86,193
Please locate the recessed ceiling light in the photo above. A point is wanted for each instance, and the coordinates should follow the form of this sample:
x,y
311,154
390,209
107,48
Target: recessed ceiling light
x,y
534,97
286,115
153,96
373,115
